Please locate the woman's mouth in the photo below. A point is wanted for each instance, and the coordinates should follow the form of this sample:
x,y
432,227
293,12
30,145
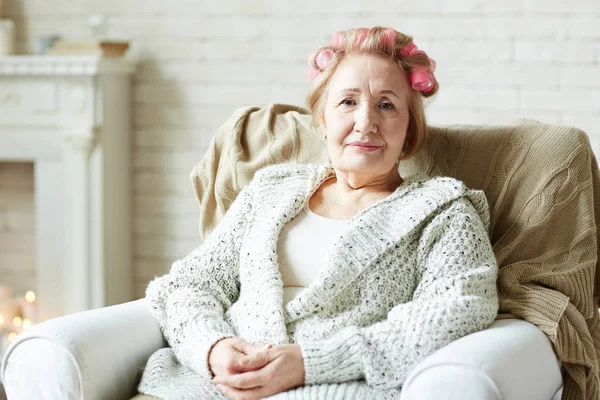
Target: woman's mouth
x,y
364,147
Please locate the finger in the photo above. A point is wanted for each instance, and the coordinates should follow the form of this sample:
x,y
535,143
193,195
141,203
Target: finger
x,y
249,348
246,380
249,394
244,363
256,360
229,392
235,364
245,347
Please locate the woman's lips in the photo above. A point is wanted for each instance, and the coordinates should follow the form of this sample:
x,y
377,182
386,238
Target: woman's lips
x,y
364,147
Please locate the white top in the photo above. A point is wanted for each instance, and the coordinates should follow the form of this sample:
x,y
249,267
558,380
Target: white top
x,y
301,249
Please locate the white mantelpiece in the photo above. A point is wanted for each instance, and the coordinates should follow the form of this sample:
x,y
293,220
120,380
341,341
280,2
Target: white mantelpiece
x,y
71,117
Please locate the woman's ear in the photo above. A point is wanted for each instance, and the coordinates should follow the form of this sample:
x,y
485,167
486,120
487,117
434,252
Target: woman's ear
x,y
323,128
322,124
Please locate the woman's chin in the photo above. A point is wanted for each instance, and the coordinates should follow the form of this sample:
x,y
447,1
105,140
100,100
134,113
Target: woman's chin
x,y
371,167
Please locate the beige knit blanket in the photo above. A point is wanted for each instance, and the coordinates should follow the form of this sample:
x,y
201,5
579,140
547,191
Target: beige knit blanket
x,y
543,187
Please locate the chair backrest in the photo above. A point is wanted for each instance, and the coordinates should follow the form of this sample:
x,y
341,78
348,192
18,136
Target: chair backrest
x,y
531,174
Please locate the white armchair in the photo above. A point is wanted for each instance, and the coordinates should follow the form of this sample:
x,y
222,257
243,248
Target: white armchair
x,y
96,354
99,354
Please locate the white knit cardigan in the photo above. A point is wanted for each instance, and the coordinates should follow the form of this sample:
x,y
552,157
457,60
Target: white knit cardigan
x,y
410,274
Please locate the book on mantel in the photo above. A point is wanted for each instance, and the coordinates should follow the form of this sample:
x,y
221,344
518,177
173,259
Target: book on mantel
x,y
88,48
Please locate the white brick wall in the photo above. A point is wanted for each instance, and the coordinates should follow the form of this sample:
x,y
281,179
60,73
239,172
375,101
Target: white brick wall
x,y
199,60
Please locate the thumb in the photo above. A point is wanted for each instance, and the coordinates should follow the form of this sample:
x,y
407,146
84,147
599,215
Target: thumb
x,y
256,360
245,347
249,348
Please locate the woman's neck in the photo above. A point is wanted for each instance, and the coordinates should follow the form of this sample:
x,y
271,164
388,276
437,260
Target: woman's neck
x,y
343,196
352,183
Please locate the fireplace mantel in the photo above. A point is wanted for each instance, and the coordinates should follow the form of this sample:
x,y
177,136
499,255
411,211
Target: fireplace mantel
x,y
70,116
63,66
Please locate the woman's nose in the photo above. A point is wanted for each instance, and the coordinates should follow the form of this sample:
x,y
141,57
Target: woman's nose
x,y
365,119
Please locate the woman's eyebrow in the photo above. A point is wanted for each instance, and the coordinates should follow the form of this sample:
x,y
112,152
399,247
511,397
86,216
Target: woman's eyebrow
x,y
352,90
389,92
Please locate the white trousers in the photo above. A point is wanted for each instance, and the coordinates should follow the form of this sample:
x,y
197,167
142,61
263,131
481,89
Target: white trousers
x,y
510,360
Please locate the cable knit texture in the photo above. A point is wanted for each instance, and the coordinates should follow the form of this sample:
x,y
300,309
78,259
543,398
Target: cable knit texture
x,y
410,274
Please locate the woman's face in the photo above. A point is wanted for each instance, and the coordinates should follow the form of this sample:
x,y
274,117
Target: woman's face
x,y
366,115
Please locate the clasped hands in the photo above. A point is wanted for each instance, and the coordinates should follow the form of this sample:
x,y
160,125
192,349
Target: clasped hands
x,y
244,371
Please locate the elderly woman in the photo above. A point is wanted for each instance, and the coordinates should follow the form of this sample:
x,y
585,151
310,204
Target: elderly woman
x,y
332,281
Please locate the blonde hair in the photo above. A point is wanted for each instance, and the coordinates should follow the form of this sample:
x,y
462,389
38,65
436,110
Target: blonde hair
x,y
382,42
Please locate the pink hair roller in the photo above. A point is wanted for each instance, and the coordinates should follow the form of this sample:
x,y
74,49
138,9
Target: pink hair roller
x,y
433,64
409,49
363,36
389,37
422,80
336,40
322,59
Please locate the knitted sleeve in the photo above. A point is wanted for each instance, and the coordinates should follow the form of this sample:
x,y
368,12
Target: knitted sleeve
x,y
191,300
456,296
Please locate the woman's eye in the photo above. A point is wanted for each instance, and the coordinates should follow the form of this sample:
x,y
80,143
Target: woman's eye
x,y
348,102
387,106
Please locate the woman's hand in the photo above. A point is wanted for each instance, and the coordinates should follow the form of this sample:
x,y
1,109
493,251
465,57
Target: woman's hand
x,y
224,358
282,369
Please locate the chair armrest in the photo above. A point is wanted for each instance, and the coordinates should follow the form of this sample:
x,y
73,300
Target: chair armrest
x,y
511,359
96,354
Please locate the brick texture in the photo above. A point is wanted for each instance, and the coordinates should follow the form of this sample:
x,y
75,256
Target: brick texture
x,y
198,61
